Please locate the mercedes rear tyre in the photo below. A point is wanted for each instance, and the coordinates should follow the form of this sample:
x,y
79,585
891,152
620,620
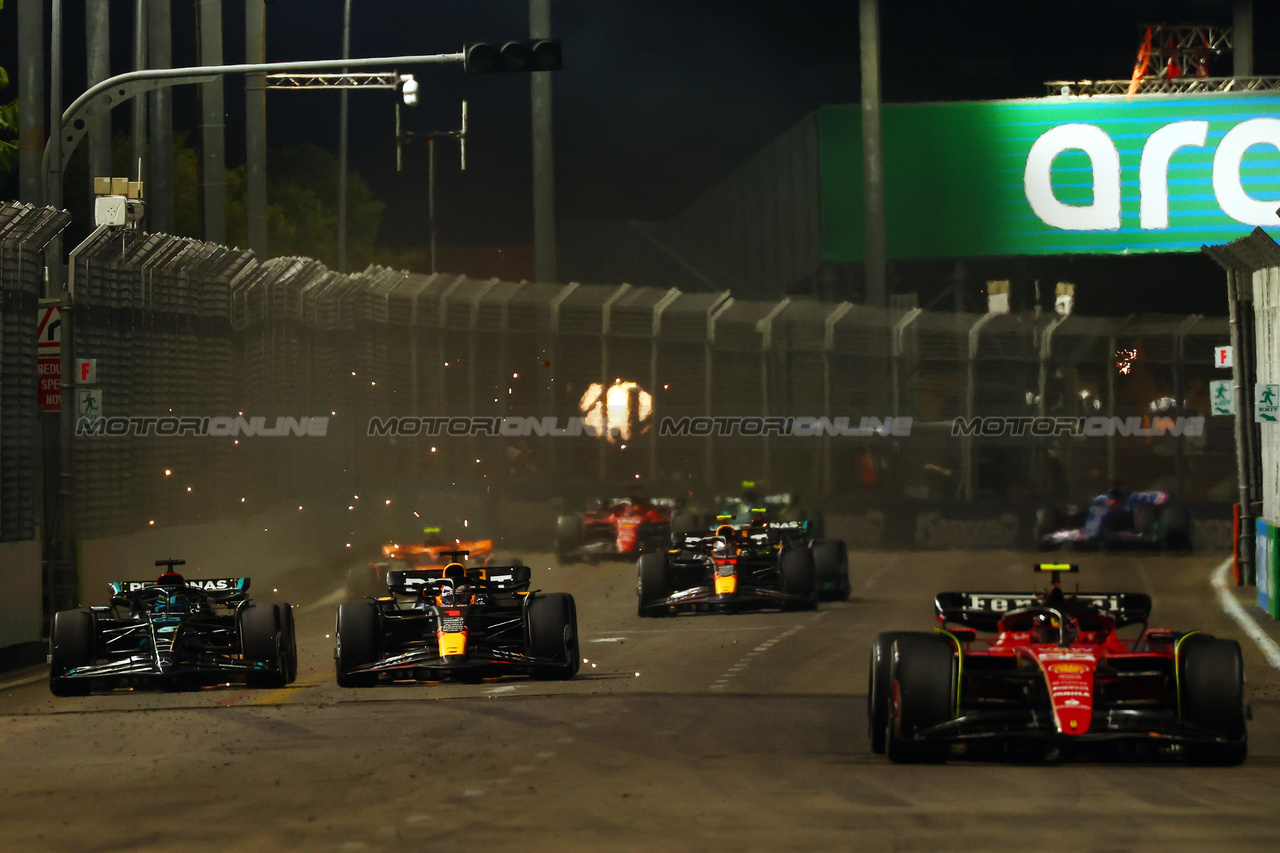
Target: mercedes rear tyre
x,y
1212,685
358,643
553,634
685,522
831,568
288,641
70,646
262,642
922,694
796,577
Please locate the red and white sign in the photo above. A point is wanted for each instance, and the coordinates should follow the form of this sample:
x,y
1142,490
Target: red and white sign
x,y
86,371
49,331
49,383
1223,357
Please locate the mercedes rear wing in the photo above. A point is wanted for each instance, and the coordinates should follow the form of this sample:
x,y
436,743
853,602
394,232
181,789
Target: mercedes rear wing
x,y
225,590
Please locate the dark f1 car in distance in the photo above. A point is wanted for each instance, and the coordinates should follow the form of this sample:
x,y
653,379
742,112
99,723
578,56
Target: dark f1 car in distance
x,y
1117,519
457,622
618,529
172,633
780,508
1055,680
736,568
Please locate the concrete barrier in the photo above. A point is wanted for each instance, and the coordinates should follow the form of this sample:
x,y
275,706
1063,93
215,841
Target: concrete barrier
x,y
935,531
1212,535
21,607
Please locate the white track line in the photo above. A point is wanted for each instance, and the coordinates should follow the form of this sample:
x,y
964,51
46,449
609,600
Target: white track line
x,y
723,681
21,681
1270,650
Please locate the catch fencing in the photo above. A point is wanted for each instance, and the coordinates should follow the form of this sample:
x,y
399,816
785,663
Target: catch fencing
x,y
181,328
24,233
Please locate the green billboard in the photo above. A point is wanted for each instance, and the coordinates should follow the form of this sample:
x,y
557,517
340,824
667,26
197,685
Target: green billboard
x,y
1061,175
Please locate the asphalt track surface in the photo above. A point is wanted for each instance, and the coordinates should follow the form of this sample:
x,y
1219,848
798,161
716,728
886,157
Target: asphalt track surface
x,y
709,732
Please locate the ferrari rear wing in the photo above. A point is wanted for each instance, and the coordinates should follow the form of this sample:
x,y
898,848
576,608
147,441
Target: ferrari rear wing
x,y
982,611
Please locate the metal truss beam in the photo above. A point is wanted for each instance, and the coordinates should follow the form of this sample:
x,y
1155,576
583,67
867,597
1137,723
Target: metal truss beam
x,y
375,80
1162,86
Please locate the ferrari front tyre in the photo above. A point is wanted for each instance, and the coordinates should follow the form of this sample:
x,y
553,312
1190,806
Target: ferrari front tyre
x,y
796,575
553,633
831,568
568,537
1212,688
922,691
357,639
70,646
261,642
653,583
878,687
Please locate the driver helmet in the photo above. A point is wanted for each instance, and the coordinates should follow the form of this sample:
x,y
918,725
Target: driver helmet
x,y
171,578
1048,627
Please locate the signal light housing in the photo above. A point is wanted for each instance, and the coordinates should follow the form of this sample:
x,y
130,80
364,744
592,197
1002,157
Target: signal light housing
x,y
512,56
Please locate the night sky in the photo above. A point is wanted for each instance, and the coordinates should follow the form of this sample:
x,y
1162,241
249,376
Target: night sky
x,y
658,99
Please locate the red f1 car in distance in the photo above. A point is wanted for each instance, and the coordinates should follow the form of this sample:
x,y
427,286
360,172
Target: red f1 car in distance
x,y
620,529
1055,679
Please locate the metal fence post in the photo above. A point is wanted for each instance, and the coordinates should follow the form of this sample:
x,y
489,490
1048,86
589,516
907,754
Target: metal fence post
x,y
970,399
828,344
713,314
764,327
659,307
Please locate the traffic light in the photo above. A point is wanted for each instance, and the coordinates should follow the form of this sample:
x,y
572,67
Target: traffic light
x,y
511,56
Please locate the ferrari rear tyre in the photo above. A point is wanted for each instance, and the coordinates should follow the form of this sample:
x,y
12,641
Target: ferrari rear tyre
x,y
262,641
70,646
831,569
796,576
653,583
922,680
878,686
568,538
357,639
553,633
1212,685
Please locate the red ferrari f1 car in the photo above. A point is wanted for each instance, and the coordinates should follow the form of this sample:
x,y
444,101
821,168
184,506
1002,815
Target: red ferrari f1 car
x,y
619,529
1055,680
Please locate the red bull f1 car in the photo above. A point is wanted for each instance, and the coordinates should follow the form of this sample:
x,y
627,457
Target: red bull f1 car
x,y
734,569
620,529
172,633
1049,676
456,622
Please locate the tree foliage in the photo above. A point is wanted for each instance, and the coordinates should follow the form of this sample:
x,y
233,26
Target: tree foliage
x,y
8,129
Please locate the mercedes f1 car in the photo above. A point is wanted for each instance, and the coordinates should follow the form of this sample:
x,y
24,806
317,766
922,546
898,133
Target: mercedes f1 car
x,y
1055,680
172,633
1116,520
457,622
619,529
736,568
